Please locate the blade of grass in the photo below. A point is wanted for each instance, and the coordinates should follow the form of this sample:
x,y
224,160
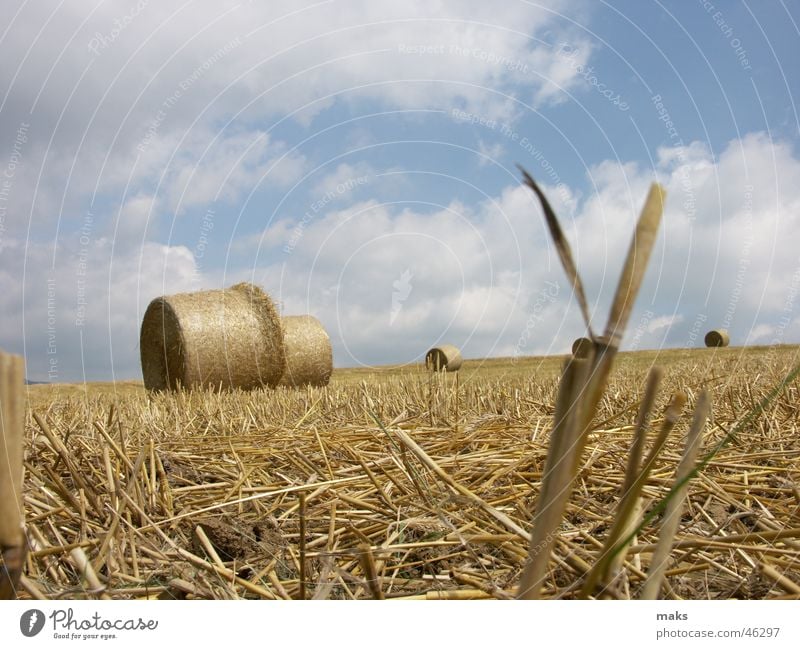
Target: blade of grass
x,y
754,412
599,573
606,348
563,248
582,391
669,524
634,460
556,481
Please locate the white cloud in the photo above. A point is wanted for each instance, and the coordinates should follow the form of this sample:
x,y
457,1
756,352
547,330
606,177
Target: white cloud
x,y
479,272
567,61
153,113
231,166
117,91
130,228
340,183
664,322
483,277
80,311
761,334
489,152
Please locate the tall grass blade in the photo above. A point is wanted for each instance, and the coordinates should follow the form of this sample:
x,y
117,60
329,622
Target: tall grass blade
x,y
563,248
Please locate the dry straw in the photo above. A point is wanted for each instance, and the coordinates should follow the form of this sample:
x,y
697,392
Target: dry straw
x,y
130,484
12,538
717,338
309,357
445,358
226,339
581,389
582,348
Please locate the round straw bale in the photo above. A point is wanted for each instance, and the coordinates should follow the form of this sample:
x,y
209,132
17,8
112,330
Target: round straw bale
x,y
309,357
443,358
582,347
717,338
222,339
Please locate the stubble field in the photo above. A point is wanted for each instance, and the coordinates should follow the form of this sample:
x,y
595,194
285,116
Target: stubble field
x,y
320,493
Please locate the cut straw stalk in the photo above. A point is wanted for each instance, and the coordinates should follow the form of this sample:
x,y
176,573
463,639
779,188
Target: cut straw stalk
x,y
556,481
87,573
211,551
302,540
460,489
563,249
585,390
452,595
635,265
726,541
630,281
632,469
669,526
367,560
780,579
600,571
12,535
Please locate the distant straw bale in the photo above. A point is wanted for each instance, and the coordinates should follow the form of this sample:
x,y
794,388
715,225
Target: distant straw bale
x,y
717,338
223,339
581,348
309,357
445,358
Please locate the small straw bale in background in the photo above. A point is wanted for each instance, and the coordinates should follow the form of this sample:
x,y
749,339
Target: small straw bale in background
x,y
581,348
309,357
717,338
443,358
223,339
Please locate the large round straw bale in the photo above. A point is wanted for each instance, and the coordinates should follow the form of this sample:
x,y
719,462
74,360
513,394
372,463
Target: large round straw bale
x,y
309,357
717,338
443,358
222,339
582,347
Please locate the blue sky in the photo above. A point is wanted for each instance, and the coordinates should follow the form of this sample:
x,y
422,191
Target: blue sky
x,y
358,159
